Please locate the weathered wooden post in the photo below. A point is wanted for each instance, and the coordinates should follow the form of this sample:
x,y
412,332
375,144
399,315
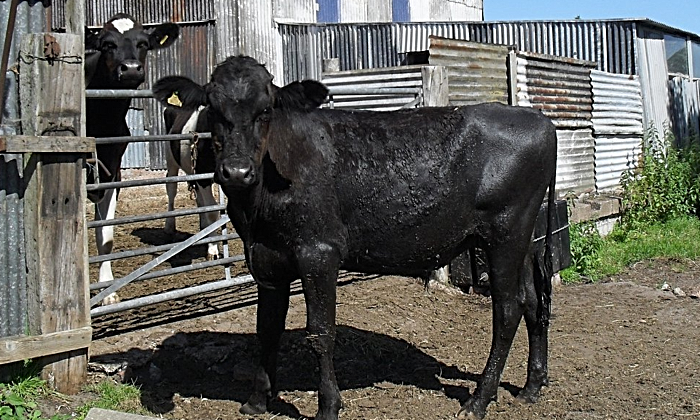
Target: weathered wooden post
x,y
436,90
51,96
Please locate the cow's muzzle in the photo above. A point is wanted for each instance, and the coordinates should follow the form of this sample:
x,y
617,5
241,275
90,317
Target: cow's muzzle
x,y
235,173
131,71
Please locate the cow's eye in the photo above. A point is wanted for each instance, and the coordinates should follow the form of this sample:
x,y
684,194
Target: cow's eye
x,y
109,46
142,44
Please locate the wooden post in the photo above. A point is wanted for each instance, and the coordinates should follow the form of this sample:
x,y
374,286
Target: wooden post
x,y
51,96
435,86
512,78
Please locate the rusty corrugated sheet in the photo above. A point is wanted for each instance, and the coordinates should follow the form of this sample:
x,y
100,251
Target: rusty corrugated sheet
x,y
13,281
561,88
476,72
618,128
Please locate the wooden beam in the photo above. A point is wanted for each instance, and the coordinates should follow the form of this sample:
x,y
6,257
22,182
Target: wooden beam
x,y
46,144
51,95
435,86
15,349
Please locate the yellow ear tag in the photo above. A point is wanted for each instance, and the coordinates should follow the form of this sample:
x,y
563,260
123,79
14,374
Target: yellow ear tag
x,y
165,38
174,100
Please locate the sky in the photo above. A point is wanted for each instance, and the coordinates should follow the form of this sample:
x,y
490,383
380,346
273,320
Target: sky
x,y
681,14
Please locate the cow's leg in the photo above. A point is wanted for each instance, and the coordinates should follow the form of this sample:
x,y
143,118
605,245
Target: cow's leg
x,y
171,189
272,312
537,322
204,197
318,267
104,238
508,306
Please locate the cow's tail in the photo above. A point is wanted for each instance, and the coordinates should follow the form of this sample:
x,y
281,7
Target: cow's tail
x,y
544,269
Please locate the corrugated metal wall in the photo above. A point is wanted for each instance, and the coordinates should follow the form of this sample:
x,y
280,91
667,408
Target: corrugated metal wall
x,y
13,281
653,75
561,89
29,19
383,78
610,44
685,109
476,72
618,128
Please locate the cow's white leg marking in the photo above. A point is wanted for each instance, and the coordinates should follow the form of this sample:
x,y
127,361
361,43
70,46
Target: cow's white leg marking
x,y
104,238
206,198
171,189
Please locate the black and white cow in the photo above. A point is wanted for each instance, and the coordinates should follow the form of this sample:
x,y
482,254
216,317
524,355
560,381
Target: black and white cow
x,y
191,158
311,191
115,57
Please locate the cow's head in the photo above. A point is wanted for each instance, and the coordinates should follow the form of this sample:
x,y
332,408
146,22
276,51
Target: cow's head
x,y
241,99
115,56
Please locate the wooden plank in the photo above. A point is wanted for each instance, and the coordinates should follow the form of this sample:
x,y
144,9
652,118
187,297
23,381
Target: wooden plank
x,y
46,144
51,97
435,86
15,349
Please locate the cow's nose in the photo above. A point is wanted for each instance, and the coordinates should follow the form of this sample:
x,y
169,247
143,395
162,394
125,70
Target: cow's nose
x,y
130,70
237,175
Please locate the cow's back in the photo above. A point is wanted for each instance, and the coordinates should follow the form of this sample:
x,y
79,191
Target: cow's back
x,y
419,182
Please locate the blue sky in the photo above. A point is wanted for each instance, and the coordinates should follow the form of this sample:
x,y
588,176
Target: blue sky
x,y
681,14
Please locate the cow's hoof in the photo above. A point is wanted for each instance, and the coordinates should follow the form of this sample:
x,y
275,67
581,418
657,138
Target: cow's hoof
x,y
471,411
528,396
252,409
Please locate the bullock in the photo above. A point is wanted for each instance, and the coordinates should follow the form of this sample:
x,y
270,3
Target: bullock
x,y
312,191
114,59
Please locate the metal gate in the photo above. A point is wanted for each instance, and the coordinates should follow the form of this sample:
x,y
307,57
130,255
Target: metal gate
x,y
161,252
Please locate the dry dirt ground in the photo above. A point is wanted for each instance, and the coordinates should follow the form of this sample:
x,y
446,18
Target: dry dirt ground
x,y
619,349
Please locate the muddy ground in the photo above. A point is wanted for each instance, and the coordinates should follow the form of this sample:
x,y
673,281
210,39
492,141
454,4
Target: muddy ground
x,y
619,349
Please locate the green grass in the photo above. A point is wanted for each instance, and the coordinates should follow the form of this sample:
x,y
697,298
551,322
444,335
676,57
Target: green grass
x,y
677,238
112,396
19,397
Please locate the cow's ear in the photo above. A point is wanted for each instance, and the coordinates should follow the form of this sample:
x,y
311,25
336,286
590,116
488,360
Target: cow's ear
x,y
92,40
179,92
163,35
306,95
